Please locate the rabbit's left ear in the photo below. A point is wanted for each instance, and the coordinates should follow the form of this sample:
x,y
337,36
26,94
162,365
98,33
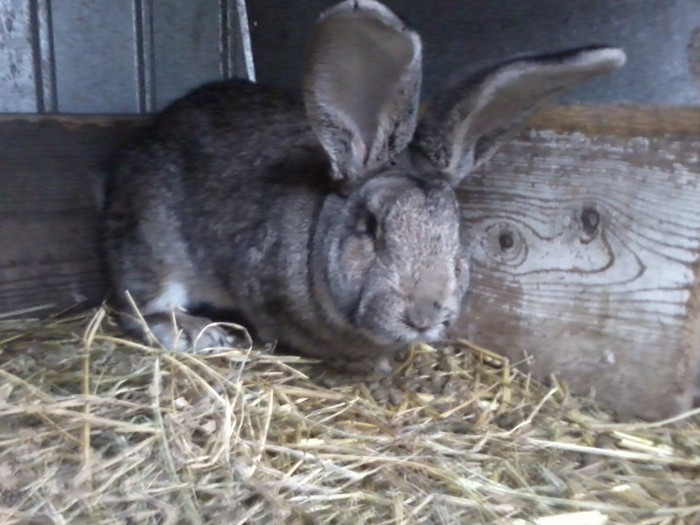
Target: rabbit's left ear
x,y
362,85
467,124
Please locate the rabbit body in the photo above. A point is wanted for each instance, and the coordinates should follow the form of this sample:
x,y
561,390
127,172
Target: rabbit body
x,y
207,210
330,225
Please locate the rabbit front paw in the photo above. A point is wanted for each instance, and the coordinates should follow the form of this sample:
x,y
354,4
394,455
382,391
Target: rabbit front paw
x,y
185,333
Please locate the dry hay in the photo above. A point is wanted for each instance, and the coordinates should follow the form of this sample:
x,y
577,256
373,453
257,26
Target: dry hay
x,y
96,429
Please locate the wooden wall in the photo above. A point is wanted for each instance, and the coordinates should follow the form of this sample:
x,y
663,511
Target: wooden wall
x,y
585,237
584,233
50,196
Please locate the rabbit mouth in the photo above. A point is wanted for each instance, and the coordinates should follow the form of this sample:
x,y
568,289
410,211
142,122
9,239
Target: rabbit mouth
x,y
400,332
431,335
386,320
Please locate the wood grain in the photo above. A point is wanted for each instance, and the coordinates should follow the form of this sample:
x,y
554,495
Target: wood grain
x,y
50,195
585,258
621,121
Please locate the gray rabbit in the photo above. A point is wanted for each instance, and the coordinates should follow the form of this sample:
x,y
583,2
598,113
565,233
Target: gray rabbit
x,y
331,225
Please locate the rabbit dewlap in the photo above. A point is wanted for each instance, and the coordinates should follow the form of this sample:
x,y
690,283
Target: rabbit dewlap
x,y
331,225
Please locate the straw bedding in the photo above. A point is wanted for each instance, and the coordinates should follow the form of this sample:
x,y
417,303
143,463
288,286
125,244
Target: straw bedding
x,y
98,429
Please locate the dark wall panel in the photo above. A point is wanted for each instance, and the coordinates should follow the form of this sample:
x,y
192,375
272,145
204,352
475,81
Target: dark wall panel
x,y
461,34
136,55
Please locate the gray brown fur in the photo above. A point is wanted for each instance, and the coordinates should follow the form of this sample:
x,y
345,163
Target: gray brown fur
x,y
329,229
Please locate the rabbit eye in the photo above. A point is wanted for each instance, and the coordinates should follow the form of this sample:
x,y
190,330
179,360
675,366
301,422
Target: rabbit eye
x,y
368,225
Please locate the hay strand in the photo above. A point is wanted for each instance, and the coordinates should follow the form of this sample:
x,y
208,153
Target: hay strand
x,y
96,428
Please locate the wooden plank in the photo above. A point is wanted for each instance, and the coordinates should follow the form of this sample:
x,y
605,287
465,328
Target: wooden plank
x,y
585,254
585,245
621,121
50,195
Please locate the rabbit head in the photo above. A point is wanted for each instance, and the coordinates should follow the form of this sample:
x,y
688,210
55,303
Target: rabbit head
x,y
392,260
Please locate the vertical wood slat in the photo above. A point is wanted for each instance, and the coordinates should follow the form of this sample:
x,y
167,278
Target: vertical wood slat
x,y
27,59
44,56
186,47
143,36
195,42
101,56
17,67
95,56
236,44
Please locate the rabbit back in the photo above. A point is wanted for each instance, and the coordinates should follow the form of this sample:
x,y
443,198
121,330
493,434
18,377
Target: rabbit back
x,y
221,184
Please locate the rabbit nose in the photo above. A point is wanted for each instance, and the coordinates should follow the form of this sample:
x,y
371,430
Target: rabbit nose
x,y
423,315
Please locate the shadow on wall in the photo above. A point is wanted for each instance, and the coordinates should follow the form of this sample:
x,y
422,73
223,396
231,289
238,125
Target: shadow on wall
x,y
462,33
694,55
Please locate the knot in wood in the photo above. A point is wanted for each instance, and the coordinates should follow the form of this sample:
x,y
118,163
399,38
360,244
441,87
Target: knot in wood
x,y
505,240
504,243
590,219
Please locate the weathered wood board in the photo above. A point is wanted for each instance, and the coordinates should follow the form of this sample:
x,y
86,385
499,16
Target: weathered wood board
x,y
50,188
585,237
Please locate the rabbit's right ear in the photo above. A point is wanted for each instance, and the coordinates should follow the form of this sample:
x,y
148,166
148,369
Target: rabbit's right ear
x,y
361,86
